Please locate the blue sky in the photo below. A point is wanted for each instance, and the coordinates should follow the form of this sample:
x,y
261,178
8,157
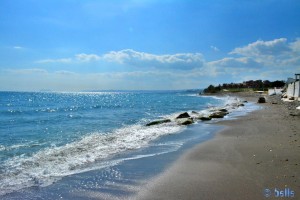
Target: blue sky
x,y
69,45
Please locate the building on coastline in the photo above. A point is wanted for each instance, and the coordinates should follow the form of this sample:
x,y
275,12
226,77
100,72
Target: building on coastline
x,y
293,87
275,91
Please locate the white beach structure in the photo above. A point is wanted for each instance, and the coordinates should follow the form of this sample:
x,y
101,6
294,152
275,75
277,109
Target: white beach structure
x,y
293,88
275,91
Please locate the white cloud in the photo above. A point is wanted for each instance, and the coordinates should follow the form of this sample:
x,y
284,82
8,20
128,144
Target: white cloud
x,y
295,46
274,53
292,62
130,56
235,63
260,47
87,57
133,58
276,58
116,56
144,60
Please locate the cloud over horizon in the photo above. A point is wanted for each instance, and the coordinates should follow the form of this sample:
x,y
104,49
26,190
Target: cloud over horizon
x,y
274,53
277,52
142,59
138,59
274,59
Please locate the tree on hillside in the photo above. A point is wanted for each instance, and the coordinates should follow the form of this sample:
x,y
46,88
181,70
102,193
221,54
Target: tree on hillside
x,y
258,84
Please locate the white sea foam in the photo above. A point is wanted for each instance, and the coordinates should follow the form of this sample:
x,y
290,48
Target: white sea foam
x,y
2,148
18,146
48,165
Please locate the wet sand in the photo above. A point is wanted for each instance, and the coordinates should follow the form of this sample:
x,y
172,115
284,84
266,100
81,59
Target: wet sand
x,y
253,153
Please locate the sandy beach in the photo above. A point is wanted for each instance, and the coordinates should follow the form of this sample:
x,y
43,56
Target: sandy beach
x,y
255,157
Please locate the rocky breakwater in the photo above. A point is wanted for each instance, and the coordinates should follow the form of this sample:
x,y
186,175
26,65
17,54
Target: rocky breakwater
x,y
187,118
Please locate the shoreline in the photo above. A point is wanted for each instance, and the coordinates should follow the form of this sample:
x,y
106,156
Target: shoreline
x,y
254,152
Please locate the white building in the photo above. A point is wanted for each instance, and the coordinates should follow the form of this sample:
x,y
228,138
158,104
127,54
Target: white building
x,y
293,88
274,91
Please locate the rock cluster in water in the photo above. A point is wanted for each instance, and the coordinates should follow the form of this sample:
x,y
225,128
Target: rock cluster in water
x,y
186,119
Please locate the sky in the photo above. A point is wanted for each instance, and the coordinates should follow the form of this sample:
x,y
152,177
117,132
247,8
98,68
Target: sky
x,y
69,45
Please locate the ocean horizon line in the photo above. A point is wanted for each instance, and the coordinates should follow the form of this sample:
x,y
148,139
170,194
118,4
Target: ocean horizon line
x,y
108,90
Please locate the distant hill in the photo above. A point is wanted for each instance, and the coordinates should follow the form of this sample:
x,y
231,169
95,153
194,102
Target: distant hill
x,y
246,85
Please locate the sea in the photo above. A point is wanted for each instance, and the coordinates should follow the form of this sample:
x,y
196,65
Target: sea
x,y
96,145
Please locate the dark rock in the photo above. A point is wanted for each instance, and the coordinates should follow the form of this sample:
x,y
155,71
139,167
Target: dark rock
x,y
223,110
203,118
194,112
294,114
234,105
185,121
261,100
183,115
218,114
158,122
245,101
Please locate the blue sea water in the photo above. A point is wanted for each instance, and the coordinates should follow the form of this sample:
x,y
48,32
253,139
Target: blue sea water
x,y
49,136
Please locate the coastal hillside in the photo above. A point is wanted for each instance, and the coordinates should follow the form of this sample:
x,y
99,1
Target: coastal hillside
x,y
250,85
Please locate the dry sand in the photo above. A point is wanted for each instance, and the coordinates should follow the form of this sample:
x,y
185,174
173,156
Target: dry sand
x,y
255,152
